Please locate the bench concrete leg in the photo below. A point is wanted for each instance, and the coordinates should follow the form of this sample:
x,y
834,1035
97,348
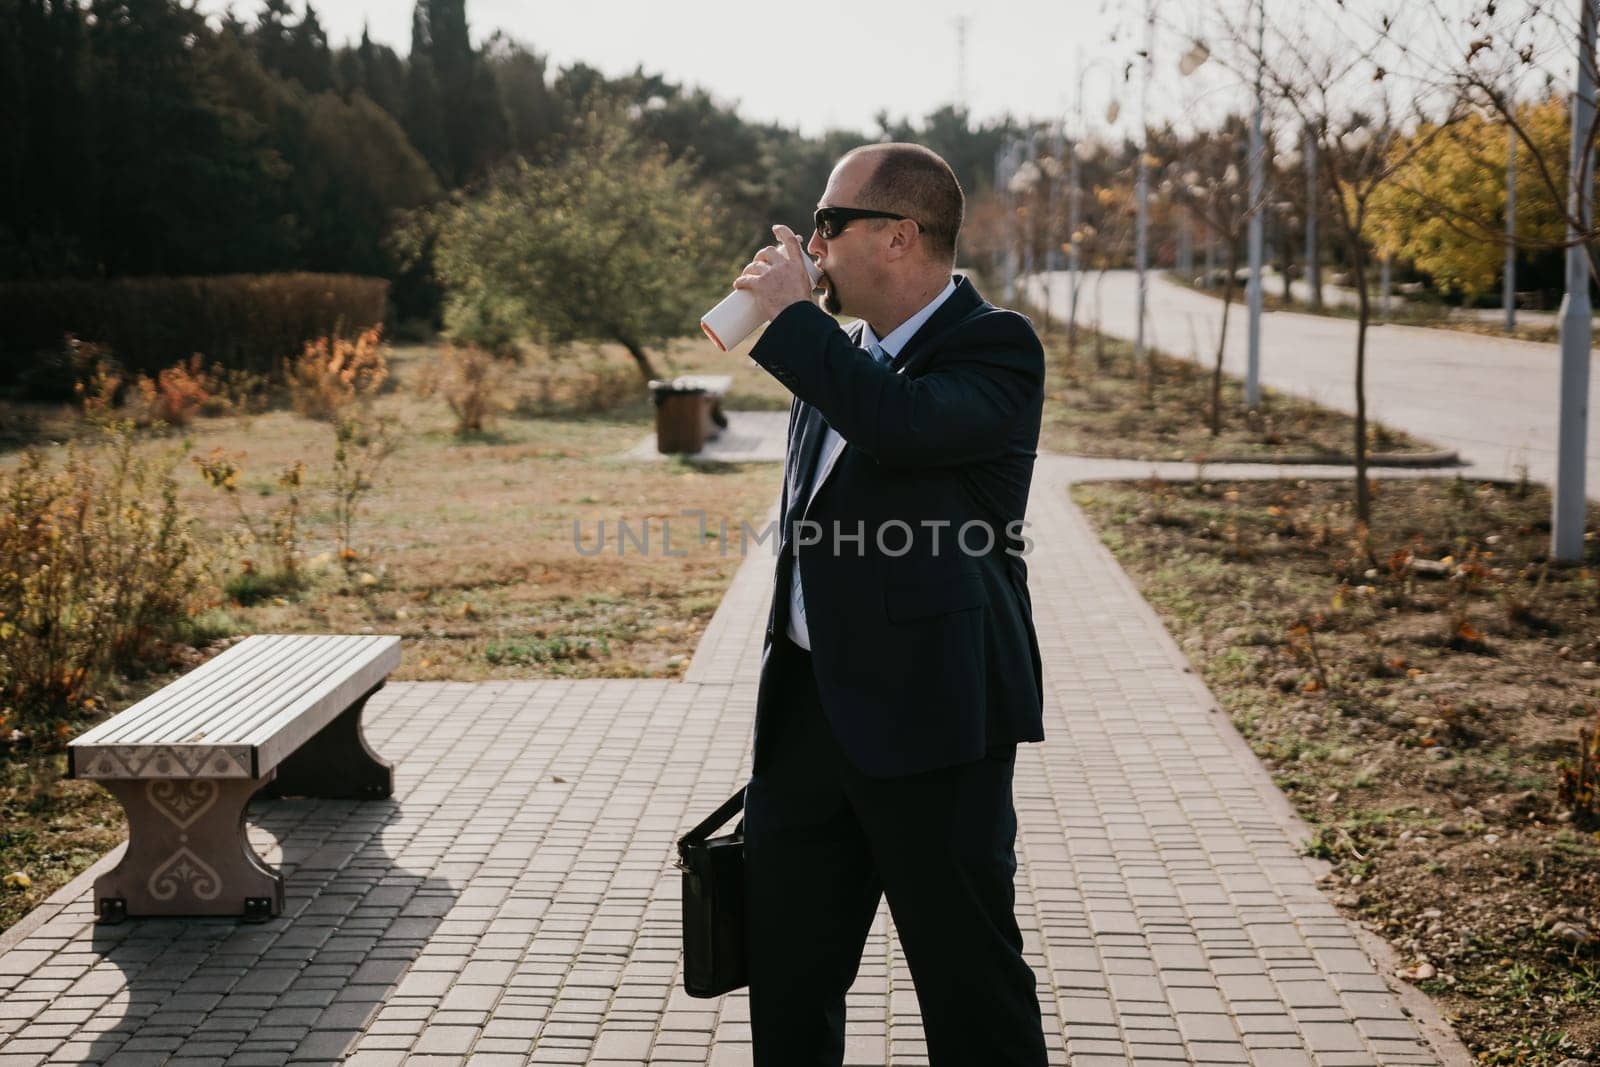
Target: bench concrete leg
x,y
337,762
187,852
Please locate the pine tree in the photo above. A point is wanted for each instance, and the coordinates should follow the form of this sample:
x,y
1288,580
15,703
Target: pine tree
x,y
308,60
173,187
13,137
349,74
271,36
448,77
424,106
534,115
384,75
44,169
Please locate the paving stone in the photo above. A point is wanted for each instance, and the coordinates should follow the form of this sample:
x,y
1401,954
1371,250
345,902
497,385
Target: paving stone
x,y
325,1045
494,914
365,1058
447,1039
1332,1037
618,1045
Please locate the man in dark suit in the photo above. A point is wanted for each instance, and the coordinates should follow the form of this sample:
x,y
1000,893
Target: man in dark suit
x,y
900,668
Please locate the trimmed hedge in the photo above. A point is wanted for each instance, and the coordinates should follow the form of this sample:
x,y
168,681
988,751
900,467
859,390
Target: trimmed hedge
x,y
243,321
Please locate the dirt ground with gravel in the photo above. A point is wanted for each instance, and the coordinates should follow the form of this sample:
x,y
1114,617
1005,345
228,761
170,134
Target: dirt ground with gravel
x,y
1417,689
1101,402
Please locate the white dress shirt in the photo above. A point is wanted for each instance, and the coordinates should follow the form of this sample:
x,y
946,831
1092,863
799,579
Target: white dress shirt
x,y
833,445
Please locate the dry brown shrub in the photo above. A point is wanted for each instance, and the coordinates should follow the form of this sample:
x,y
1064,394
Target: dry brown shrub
x,y
175,396
234,391
98,391
563,385
278,533
361,447
471,381
100,567
106,394
332,373
1578,785
243,321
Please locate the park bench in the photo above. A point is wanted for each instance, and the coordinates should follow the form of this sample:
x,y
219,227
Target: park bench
x,y
689,410
280,713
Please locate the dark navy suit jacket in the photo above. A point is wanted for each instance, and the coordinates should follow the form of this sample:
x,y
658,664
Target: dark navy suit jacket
x,y
921,629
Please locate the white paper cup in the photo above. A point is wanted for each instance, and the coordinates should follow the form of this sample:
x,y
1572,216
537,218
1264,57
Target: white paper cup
x,y
737,317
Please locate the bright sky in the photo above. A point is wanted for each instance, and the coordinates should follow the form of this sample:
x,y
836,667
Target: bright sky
x,y
822,64
828,64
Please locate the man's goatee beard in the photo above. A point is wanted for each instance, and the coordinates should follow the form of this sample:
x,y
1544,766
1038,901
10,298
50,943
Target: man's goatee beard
x,y
830,300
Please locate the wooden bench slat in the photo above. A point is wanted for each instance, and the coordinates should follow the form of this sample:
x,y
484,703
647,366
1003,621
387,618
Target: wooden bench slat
x,y
357,661
294,700
255,680
229,703
281,735
249,677
225,672
230,723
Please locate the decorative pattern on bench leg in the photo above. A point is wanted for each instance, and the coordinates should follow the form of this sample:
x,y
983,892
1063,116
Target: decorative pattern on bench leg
x,y
337,762
187,852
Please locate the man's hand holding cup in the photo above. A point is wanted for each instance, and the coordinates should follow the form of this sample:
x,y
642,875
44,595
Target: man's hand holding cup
x,y
777,276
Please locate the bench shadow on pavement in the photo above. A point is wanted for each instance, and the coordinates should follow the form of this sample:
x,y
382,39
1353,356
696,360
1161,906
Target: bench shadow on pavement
x,y
301,985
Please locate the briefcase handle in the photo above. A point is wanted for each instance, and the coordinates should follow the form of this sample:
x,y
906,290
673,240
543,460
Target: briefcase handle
x,y
698,835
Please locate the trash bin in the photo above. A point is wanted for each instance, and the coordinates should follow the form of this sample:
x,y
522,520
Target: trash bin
x,y
682,414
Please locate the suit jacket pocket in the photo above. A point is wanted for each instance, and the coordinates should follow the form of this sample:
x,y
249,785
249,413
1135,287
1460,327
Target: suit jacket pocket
x,y
905,601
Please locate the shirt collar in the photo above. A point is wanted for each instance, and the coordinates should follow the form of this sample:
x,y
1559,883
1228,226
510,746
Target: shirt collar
x,y
908,329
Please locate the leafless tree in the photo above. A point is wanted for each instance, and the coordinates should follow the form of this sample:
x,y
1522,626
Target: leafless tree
x,y
1213,188
1347,81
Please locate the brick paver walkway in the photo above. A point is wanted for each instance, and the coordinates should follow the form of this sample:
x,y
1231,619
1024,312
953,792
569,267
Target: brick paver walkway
x,y
515,902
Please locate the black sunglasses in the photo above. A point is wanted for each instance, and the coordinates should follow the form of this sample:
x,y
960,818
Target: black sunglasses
x,y
831,221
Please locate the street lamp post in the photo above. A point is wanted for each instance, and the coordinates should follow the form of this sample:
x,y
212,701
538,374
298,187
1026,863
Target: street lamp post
x,y
1313,255
1074,223
1029,223
1142,197
1074,255
1258,181
1000,195
1142,224
1023,175
1052,251
1185,246
1508,284
1569,503
1288,220
1004,167
1075,199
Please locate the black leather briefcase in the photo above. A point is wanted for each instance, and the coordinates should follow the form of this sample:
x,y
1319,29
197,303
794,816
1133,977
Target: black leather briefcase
x,y
713,904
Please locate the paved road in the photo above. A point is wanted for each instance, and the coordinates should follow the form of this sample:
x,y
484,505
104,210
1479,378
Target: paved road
x,y
1492,400
1331,294
515,901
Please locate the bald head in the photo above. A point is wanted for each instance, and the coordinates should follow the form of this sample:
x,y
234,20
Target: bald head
x,y
914,181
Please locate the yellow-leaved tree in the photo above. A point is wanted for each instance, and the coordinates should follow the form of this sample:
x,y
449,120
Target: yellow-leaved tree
x,y
1444,208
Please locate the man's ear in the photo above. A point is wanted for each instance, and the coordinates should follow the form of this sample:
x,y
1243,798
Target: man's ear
x,y
904,238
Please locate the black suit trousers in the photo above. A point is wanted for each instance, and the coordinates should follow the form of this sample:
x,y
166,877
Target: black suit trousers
x,y
823,843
